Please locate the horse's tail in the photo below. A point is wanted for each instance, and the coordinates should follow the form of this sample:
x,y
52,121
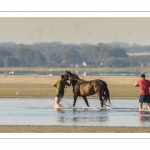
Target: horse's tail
x,y
107,94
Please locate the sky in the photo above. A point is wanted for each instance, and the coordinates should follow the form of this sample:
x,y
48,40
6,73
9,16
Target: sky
x,y
99,21
91,30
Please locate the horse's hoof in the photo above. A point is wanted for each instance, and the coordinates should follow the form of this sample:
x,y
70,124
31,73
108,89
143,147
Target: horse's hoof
x,y
84,107
102,108
90,107
107,107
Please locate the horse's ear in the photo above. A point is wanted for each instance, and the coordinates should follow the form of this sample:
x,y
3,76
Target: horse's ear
x,y
67,71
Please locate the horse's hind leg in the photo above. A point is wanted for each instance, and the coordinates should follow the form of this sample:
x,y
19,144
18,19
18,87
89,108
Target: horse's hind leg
x,y
86,101
101,99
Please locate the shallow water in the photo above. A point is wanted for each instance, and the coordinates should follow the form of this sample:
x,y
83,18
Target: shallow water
x,y
40,111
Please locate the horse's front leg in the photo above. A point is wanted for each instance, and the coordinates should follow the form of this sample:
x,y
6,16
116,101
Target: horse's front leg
x,y
75,99
86,101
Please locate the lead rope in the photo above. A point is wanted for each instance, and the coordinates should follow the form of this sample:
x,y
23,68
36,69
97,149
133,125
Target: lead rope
x,y
67,103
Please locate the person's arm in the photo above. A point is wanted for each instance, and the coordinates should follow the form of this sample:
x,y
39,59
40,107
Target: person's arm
x,y
136,84
54,85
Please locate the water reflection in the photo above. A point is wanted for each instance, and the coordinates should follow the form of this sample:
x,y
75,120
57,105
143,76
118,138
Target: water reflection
x,y
81,117
61,119
39,111
144,117
82,120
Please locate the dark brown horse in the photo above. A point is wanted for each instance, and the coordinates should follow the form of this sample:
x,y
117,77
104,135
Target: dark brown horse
x,y
84,88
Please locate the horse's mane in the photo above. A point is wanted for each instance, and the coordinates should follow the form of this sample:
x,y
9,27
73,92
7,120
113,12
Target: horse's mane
x,y
74,76
75,79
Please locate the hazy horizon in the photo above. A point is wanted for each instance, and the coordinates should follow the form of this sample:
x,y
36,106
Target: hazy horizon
x,y
91,30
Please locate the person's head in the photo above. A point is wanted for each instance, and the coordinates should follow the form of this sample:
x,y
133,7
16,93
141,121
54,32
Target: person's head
x,y
143,76
61,76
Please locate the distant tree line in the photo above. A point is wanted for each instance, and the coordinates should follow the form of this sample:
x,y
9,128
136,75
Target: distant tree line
x,y
57,54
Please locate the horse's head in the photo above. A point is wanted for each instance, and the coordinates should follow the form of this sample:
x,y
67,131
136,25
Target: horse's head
x,y
66,77
72,75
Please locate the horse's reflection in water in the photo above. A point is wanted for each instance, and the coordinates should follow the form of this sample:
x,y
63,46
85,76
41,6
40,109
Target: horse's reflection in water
x,y
84,88
82,119
87,119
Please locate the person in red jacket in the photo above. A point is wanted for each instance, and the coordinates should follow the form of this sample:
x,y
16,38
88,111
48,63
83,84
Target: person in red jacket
x,y
144,92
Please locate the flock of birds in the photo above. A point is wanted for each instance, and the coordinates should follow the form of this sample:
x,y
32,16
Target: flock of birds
x,y
84,74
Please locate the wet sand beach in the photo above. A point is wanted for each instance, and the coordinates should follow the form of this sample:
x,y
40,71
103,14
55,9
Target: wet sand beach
x,y
72,129
41,86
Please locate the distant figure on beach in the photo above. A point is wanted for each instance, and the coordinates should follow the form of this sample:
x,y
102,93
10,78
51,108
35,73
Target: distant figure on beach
x,y
60,86
144,92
